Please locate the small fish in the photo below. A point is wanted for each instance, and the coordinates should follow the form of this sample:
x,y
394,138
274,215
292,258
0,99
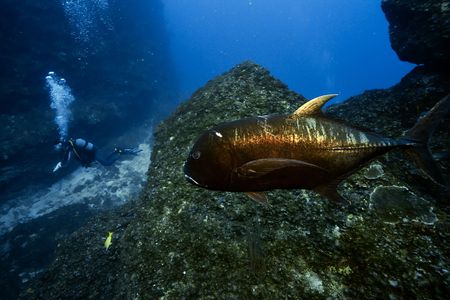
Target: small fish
x,y
108,240
303,150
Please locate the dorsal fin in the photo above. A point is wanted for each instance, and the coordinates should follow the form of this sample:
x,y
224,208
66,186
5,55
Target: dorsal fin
x,y
313,107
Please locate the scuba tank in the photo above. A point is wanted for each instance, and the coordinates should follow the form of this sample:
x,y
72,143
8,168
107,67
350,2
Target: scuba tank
x,y
83,150
82,144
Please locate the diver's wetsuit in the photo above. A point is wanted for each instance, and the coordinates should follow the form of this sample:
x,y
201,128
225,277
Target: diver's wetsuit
x,y
85,152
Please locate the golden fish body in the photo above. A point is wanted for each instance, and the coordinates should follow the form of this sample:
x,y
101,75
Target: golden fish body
x,y
279,152
302,150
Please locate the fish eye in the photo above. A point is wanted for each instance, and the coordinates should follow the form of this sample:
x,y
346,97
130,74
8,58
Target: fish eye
x,y
196,155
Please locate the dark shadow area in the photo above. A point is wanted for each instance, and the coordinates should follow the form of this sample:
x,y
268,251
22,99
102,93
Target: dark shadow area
x,y
29,248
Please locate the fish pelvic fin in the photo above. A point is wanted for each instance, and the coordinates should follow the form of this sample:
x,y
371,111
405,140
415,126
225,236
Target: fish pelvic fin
x,y
313,106
330,191
420,134
259,197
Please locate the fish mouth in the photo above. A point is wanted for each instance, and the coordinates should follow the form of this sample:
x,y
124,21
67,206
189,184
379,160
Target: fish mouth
x,y
191,180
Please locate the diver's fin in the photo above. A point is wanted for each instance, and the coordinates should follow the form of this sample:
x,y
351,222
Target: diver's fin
x,y
313,107
259,197
420,135
261,167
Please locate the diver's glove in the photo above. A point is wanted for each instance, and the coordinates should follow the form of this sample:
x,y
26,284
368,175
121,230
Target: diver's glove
x,y
57,167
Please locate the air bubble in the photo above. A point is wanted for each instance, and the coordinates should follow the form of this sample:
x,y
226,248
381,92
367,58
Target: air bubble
x,y
60,99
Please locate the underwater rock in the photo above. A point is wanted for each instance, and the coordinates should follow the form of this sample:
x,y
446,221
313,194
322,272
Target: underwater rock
x,y
396,203
374,171
180,241
313,282
28,249
420,30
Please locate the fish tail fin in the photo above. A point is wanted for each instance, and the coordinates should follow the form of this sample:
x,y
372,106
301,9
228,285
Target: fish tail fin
x,y
424,160
419,135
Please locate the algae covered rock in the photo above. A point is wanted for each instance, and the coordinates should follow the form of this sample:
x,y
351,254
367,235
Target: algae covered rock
x,y
396,203
181,241
374,171
420,30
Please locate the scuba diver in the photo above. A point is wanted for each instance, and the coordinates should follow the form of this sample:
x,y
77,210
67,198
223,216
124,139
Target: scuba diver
x,y
86,153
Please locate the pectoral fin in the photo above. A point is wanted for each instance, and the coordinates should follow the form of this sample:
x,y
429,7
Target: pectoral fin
x,y
261,167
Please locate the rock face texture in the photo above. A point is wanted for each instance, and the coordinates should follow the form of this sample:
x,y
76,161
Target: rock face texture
x,y
180,241
420,30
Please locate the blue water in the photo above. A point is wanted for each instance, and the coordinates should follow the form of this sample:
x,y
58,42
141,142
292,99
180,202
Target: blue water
x,y
314,46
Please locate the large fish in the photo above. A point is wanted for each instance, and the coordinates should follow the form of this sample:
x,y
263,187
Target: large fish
x,y
303,150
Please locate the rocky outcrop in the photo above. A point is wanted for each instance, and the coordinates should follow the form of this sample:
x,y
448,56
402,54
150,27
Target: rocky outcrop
x,y
180,241
420,30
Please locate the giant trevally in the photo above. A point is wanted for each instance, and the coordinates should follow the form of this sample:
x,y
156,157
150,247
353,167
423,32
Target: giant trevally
x,y
304,150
